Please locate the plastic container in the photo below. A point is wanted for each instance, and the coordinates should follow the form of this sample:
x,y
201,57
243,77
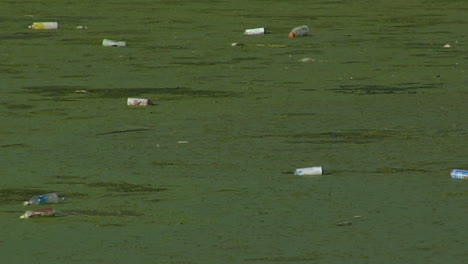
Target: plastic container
x,y
139,101
44,199
309,171
255,31
44,25
39,213
459,174
299,31
113,43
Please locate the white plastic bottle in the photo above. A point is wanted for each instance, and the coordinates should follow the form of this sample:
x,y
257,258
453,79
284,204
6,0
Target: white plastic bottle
x,y
44,199
309,171
299,31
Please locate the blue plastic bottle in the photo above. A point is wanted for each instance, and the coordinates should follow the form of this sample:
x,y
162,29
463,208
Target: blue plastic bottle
x,y
459,174
44,199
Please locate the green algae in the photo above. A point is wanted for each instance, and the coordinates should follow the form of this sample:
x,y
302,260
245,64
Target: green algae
x,y
381,89
174,93
383,113
125,187
344,137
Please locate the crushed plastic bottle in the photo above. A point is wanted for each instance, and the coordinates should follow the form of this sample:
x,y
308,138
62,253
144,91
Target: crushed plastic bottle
x,y
113,43
299,31
309,171
39,213
139,101
44,199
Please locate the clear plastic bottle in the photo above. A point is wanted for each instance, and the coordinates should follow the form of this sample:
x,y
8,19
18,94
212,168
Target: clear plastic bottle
x,y
299,31
43,199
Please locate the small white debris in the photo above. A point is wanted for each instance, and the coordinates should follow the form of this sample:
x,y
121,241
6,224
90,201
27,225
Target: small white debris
x,y
236,44
447,46
307,59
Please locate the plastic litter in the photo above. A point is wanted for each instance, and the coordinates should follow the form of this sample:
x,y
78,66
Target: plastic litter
x,y
459,174
139,101
309,171
44,25
255,31
344,223
39,213
299,31
44,199
237,44
113,43
307,59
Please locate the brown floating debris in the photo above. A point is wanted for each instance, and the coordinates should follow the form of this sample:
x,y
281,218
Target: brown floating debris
x,y
39,213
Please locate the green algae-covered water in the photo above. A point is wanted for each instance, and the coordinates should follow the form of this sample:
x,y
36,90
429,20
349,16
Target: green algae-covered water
x,y
377,95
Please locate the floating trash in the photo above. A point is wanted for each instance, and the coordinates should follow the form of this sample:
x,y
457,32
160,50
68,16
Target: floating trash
x,y
447,46
299,31
459,174
113,43
236,44
44,199
46,212
139,101
44,25
307,59
255,31
309,171
344,223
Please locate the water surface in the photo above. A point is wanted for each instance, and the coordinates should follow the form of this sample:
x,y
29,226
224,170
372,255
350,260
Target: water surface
x,y
205,175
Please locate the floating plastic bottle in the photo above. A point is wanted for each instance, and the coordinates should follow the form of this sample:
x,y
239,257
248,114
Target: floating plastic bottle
x,y
44,199
459,174
44,25
39,213
139,101
299,31
113,43
309,171
255,31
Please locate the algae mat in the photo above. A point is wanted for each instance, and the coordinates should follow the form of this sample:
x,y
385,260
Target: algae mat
x,y
376,95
